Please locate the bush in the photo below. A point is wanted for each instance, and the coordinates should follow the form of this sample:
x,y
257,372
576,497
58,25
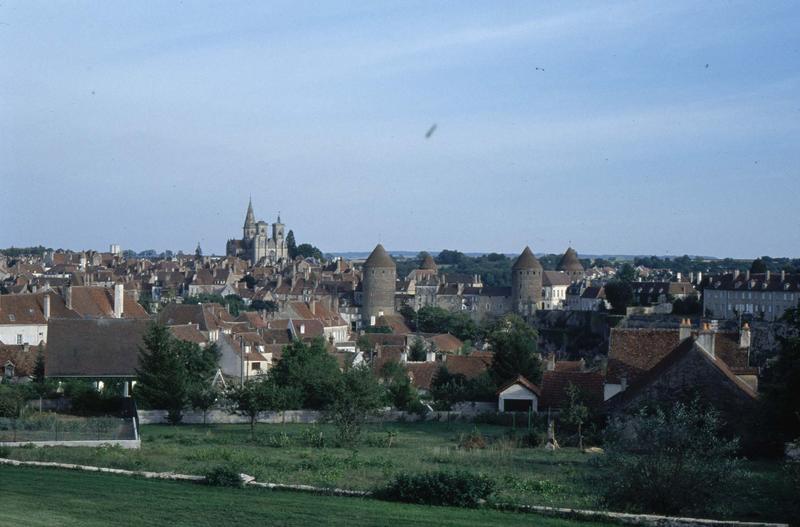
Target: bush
x,y
224,476
472,441
5,451
459,489
670,461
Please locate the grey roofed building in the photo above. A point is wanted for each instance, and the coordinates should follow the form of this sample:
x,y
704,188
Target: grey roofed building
x,y
94,348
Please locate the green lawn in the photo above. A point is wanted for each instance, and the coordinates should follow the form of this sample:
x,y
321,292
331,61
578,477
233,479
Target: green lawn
x,y
44,497
289,454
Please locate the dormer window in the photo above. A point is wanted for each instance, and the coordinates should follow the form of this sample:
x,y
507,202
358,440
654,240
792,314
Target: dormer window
x,y
13,318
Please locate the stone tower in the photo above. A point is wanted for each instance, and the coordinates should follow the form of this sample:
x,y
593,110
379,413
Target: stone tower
x,y
571,266
526,283
379,277
249,229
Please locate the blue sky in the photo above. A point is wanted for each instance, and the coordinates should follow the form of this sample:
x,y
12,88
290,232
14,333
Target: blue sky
x,y
621,127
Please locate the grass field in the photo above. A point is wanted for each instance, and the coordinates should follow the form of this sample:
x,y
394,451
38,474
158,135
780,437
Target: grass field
x,y
295,454
32,497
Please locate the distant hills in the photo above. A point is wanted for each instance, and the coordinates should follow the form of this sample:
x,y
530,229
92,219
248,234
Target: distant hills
x,y
360,255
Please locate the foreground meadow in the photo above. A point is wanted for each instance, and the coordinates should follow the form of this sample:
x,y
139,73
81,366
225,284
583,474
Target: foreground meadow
x,y
293,453
35,497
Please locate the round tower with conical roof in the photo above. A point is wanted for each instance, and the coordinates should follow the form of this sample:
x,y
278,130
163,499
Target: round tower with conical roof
x,y
571,265
526,283
379,275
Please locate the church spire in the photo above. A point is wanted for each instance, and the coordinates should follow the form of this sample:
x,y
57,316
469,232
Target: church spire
x,y
250,219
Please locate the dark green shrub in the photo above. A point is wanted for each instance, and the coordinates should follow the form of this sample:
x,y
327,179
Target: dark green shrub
x,y
5,451
458,489
472,441
671,461
224,476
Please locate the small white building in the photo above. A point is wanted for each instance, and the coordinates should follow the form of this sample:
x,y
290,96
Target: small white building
x,y
519,395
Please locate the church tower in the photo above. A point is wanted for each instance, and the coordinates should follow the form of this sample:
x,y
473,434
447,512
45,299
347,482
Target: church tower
x,y
249,229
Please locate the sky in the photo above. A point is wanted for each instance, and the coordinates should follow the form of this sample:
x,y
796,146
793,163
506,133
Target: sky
x,y
617,127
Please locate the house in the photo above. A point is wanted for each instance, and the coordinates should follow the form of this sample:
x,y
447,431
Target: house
x,y
519,395
334,327
645,293
24,317
555,385
554,289
104,302
244,355
95,349
207,317
634,351
691,369
767,295
17,362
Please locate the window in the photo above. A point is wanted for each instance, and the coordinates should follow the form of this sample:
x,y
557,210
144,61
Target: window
x,y
255,366
12,318
19,339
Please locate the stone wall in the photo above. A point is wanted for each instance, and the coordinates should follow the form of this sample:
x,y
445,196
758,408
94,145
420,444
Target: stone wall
x,y
464,410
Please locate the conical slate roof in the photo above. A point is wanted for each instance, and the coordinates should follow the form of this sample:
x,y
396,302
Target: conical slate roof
x,y
527,260
379,258
570,262
428,263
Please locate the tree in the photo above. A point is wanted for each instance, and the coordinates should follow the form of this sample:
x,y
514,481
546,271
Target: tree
x,y
514,344
162,375
310,368
620,294
400,392
203,397
780,385
669,461
263,305
758,266
417,351
306,250
38,367
291,245
626,273
365,346
409,315
576,412
356,395
248,400
449,257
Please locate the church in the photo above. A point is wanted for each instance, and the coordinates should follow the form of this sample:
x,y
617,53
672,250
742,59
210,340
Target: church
x,y
256,245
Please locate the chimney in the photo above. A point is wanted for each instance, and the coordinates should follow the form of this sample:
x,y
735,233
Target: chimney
x,y
551,362
685,330
744,336
119,293
783,276
706,339
678,277
68,296
699,277
747,275
735,274
313,306
691,277
47,307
